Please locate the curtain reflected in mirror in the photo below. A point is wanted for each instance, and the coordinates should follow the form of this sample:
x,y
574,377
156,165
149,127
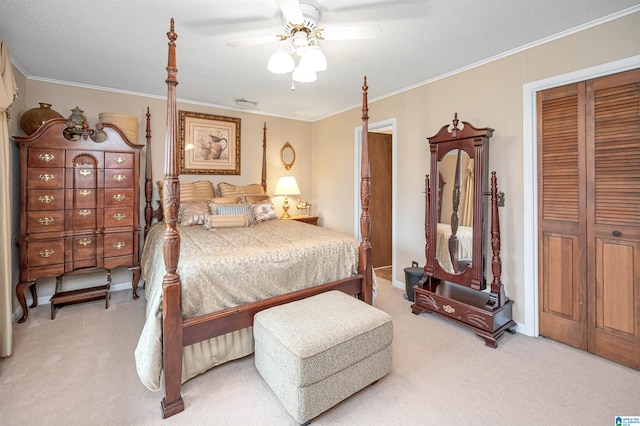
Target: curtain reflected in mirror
x,y
454,243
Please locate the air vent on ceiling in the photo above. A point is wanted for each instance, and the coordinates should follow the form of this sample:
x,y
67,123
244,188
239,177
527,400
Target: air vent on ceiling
x,y
245,103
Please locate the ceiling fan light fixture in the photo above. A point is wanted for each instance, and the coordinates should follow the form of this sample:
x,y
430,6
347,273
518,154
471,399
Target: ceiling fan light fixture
x,y
281,62
304,74
314,59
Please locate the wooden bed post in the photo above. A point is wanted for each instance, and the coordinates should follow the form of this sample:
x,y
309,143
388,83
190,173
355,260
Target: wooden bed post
x,y
364,254
171,286
264,157
148,180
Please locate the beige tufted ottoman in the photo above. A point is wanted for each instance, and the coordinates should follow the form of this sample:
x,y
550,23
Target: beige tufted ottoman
x,y
316,352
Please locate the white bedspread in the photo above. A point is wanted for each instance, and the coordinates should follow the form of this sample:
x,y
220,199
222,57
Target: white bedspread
x,y
229,267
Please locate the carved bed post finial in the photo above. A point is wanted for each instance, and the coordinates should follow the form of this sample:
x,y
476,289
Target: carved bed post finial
x,y
172,330
148,179
364,254
264,157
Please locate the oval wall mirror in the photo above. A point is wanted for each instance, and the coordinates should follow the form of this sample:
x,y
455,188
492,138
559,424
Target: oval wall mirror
x,y
287,156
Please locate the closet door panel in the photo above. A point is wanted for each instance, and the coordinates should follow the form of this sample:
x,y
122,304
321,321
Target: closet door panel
x,y
562,214
613,176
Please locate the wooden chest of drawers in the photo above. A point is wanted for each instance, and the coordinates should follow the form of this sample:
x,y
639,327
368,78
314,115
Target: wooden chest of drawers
x,y
79,210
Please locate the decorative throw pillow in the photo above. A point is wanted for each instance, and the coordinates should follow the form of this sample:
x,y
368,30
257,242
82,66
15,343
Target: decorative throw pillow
x,y
234,209
226,221
193,213
201,190
263,211
232,199
225,189
256,199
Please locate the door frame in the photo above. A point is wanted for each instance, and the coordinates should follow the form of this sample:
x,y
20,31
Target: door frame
x,y
530,326
378,126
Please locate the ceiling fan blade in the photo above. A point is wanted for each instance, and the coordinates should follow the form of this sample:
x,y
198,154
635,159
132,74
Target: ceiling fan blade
x,y
252,41
291,10
351,32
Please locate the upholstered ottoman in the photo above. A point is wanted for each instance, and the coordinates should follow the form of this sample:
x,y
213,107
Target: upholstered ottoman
x,y
315,352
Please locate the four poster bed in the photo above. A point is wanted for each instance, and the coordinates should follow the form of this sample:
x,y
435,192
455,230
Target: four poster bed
x,y
204,286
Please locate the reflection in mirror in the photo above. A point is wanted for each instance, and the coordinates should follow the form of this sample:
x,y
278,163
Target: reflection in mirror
x,y
454,242
287,156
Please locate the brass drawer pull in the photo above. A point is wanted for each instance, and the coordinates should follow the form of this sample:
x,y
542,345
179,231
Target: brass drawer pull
x,y
46,157
448,309
85,192
46,177
119,245
46,199
119,178
85,172
46,253
84,213
119,216
45,221
119,159
119,197
85,241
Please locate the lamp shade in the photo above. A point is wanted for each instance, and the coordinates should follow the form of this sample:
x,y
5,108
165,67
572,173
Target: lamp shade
x,y
281,62
304,74
314,58
287,185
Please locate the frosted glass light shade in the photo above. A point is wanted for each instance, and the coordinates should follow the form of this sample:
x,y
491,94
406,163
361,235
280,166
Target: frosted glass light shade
x,y
281,62
304,74
314,59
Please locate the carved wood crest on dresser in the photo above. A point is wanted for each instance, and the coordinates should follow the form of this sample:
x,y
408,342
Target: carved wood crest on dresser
x,y
79,210
453,285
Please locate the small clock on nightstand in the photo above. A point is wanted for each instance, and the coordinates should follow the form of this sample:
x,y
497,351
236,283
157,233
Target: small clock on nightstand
x,y
312,220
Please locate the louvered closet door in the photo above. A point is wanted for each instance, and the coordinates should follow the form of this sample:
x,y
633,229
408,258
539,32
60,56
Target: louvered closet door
x,y
589,215
562,215
613,179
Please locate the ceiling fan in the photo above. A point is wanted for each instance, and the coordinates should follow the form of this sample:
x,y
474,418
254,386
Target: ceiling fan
x,y
300,39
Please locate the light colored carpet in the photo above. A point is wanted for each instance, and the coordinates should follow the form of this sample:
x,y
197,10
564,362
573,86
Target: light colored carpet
x,y
79,369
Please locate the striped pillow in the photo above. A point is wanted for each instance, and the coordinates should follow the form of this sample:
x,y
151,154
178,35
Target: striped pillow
x,y
225,189
201,190
233,209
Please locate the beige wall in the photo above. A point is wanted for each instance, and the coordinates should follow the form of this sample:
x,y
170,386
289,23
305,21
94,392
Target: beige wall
x,y
490,95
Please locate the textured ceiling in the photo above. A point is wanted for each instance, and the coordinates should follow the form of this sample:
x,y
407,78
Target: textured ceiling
x,y
123,45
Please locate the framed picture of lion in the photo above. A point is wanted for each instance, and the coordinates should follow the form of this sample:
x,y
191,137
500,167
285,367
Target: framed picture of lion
x,y
209,144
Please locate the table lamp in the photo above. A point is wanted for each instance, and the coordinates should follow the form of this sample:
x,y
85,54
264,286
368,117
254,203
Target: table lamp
x,y
286,186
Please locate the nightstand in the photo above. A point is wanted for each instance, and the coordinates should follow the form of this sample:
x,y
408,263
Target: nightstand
x,y
312,220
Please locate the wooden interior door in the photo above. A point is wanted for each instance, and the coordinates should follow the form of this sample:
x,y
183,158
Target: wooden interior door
x,y
562,215
381,161
613,188
589,215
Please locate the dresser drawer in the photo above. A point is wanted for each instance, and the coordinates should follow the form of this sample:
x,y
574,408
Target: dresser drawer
x,y
119,178
84,218
118,160
42,253
84,198
85,247
85,176
45,177
120,244
118,197
45,221
116,217
38,157
45,199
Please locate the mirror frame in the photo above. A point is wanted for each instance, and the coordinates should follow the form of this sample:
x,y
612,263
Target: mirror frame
x,y
474,141
285,148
